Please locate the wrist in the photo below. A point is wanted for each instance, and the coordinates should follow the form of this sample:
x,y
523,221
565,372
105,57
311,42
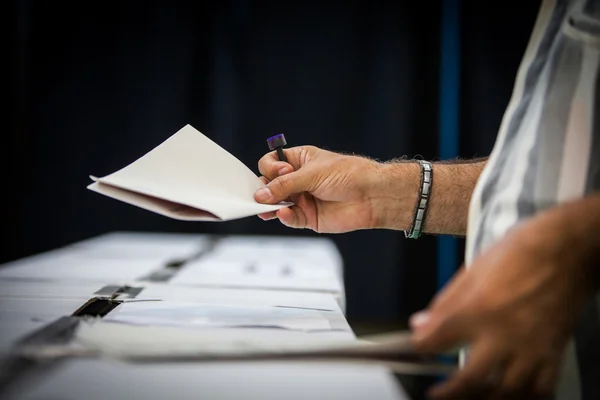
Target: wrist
x,y
394,195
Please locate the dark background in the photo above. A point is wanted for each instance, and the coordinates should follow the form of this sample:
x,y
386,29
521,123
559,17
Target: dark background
x,y
93,86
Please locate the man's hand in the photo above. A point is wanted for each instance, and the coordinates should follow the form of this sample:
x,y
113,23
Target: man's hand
x,y
515,308
332,192
336,193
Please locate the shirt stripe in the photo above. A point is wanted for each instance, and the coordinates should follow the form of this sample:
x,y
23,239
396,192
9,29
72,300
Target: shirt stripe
x,y
549,16
548,152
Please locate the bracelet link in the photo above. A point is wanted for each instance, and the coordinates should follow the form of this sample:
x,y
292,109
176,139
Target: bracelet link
x,y
422,202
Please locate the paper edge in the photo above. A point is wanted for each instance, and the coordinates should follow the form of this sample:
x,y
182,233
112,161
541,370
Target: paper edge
x,y
92,187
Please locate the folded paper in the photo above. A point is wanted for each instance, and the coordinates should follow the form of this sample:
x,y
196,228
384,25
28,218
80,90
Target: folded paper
x,y
187,177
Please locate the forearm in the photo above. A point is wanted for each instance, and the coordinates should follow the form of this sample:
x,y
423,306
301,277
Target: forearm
x,y
451,190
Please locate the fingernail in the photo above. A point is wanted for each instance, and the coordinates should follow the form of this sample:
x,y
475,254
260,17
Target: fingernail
x,y
282,171
419,319
263,194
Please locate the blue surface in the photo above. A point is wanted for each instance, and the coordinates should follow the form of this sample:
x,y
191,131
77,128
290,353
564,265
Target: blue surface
x,y
449,118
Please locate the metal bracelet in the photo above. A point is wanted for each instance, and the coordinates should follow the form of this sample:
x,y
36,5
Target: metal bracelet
x,y
423,200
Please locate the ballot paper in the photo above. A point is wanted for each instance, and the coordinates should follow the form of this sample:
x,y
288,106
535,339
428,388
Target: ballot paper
x,y
266,274
137,343
234,296
202,315
187,177
312,251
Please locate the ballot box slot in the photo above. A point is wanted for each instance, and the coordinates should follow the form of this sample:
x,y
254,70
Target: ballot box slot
x,y
120,291
172,267
97,307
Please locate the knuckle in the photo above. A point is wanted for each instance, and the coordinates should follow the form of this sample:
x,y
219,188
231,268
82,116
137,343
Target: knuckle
x,y
279,185
313,149
266,169
295,220
305,153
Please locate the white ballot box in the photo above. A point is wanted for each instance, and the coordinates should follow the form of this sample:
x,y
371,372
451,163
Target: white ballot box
x,y
172,295
244,262
101,379
287,264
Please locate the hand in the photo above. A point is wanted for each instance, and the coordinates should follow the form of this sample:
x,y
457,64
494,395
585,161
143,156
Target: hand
x,y
516,308
332,192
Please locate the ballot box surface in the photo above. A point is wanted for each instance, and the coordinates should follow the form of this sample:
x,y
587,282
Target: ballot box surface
x,y
229,290
101,379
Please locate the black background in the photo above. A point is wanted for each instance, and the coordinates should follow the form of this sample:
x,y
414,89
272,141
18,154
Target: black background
x,y
93,86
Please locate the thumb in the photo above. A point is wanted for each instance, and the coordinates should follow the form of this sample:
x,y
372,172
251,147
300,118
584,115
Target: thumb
x,y
284,186
435,333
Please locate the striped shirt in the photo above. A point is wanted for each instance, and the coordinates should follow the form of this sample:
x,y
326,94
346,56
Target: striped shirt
x,y
547,152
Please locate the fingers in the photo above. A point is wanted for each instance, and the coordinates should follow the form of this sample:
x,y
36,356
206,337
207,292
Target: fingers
x,y
490,373
282,187
518,375
474,379
442,327
437,332
453,292
270,166
268,216
281,180
273,168
525,379
545,382
293,217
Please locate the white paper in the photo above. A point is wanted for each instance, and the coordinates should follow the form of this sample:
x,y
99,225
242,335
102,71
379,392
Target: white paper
x,y
126,341
187,177
199,315
259,267
250,297
262,274
312,255
118,339
69,267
